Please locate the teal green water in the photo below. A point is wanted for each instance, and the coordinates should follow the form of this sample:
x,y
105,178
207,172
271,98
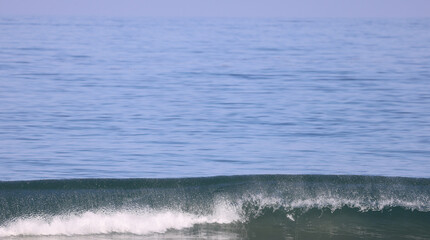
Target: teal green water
x,y
238,207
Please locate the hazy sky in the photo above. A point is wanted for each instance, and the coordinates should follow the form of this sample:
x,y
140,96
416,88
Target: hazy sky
x,y
220,8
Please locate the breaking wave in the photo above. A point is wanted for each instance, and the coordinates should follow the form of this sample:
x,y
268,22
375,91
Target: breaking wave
x,y
248,207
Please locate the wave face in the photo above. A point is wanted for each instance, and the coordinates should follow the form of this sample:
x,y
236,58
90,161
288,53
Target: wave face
x,y
236,207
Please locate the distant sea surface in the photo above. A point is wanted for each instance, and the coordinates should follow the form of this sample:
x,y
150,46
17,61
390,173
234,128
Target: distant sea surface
x,y
152,128
121,98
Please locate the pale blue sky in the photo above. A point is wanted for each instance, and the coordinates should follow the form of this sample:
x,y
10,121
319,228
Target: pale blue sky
x,y
220,8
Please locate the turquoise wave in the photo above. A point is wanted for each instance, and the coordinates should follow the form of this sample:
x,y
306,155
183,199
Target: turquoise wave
x,y
239,207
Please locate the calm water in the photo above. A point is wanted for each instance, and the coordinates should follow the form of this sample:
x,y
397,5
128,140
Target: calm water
x,y
120,98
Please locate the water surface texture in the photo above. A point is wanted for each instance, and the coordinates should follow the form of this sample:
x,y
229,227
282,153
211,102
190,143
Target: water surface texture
x,y
121,98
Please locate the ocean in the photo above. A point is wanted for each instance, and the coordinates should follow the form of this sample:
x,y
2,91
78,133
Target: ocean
x,y
214,128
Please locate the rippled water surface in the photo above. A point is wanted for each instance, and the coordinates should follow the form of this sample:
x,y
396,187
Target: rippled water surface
x,y
120,98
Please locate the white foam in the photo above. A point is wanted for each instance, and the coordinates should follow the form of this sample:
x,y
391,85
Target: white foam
x,y
139,222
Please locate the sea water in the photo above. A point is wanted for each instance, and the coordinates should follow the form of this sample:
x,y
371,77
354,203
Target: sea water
x,y
139,114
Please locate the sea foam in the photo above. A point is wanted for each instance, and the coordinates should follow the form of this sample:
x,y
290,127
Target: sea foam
x,y
138,221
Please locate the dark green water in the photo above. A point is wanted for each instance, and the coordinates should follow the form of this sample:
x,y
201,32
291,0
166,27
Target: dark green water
x,y
236,207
